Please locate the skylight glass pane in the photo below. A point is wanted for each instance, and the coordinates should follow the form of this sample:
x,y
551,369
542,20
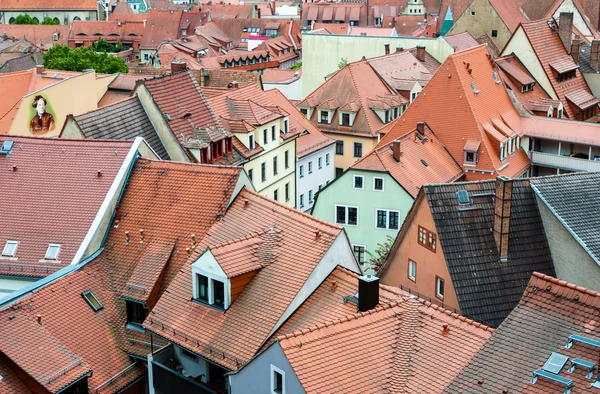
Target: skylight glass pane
x,y
92,300
52,252
10,248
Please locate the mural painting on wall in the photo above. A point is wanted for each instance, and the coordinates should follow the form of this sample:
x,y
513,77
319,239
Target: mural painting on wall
x,y
42,120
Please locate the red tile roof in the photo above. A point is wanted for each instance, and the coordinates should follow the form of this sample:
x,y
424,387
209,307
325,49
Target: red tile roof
x,y
424,160
59,180
357,81
10,382
509,12
166,25
450,93
549,312
397,346
400,68
40,35
274,75
461,41
336,12
91,31
232,338
311,139
55,5
15,86
551,53
561,130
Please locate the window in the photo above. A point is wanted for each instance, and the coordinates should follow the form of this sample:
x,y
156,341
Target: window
x,y
527,88
359,253
472,13
470,157
250,173
387,219
304,111
92,301
287,191
263,172
302,171
358,182
52,252
339,147
427,238
265,137
274,165
302,201
273,133
136,313
310,167
310,196
251,142
378,184
567,75
10,248
188,354
286,159
412,270
218,293
345,119
439,287
327,158
494,33
324,117
413,96
346,215
320,162
202,282
358,149
285,126
338,172
276,195
277,380
216,375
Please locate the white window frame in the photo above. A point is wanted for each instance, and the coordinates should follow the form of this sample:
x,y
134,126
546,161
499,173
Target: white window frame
x,y
382,183
354,183
10,242
55,258
211,289
320,120
412,275
282,373
387,220
346,220
439,280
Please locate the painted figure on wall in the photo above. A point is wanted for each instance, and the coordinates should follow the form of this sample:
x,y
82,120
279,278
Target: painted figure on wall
x,y
42,122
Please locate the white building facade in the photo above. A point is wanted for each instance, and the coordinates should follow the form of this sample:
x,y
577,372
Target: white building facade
x,y
314,171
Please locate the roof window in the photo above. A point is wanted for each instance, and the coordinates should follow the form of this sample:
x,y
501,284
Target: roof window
x,y
463,197
474,88
91,299
52,252
10,248
6,147
555,363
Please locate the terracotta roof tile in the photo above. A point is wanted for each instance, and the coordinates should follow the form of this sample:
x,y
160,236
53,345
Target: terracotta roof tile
x,y
509,12
9,101
561,130
549,312
231,338
10,383
58,178
400,67
59,5
424,160
461,41
40,35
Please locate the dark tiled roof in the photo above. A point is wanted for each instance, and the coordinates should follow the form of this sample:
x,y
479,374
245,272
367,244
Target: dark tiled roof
x,y
124,120
550,311
20,63
487,290
574,199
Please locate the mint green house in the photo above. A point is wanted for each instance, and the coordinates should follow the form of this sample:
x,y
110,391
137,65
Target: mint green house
x,y
372,198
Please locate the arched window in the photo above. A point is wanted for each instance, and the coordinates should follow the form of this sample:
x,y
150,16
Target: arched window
x,y
77,18
56,21
11,21
36,20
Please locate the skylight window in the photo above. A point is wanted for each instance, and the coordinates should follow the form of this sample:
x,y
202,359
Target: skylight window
x,y
10,249
463,197
52,252
91,299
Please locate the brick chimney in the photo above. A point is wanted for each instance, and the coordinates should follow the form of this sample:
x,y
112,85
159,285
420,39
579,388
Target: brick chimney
x,y
502,207
387,49
234,84
396,150
202,81
421,53
421,128
594,53
575,45
565,29
39,69
178,66
399,49
368,292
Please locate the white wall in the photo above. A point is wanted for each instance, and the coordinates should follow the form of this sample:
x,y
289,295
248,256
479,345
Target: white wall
x,y
292,91
578,22
8,284
318,177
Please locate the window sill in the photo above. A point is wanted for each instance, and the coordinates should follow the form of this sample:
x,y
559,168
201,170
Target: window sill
x,y
9,258
414,280
206,304
49,261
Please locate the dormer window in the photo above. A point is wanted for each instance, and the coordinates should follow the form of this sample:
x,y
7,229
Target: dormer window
x,y
52,252
567,75
324,117
10,249
527,88
345,119
210,291
251,145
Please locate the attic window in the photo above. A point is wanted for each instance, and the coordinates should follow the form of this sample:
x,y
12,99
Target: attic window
x,y
52,252
10,249
210,291
91,299
474,88
463,197
527,88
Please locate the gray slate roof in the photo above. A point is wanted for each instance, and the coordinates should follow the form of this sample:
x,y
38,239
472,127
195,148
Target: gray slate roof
x,y
124,120
575,200
487,289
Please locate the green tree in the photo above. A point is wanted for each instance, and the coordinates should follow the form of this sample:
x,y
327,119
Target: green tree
x,y
380,255
296,66
25,19
49,21
343,63
102,46
61,57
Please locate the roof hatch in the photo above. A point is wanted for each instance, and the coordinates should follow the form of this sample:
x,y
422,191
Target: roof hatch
x,y
463,197
555,363
7,147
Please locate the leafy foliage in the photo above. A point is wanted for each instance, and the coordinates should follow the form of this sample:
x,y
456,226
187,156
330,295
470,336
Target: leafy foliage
x,y
296,66
26,19
49,21
61,57
343,63
381,252
103,46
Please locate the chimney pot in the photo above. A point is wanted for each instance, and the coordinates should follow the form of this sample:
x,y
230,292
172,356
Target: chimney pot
x,y
502,208
234,84
99,174
246,203
334,285
387,49
188,251
396,150
445,328
421,128
368,292
39,319
39,69
14,168
421,53
317,234
565,29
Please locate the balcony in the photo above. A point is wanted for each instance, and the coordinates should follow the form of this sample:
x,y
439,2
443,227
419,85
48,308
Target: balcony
x,y
564,162
168,376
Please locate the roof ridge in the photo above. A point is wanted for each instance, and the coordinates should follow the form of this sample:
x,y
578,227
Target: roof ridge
x,y
455,315
319,326
252,235
183,164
